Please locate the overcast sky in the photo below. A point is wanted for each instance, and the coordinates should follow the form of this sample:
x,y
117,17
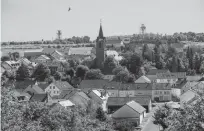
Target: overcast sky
x,y
26,20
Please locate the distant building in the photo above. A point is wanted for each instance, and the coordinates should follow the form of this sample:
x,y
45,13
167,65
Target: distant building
x,y
42,59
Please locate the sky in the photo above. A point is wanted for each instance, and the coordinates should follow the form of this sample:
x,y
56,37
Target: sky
x,y
28,20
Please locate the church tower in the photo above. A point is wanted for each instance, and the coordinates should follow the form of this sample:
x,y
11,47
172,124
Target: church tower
x,y
100,48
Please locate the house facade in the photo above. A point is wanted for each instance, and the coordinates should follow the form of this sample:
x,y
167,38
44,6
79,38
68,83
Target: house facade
x,y
117,89
161,92
55,88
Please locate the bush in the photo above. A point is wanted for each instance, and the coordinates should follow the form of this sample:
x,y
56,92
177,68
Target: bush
x,y
125,125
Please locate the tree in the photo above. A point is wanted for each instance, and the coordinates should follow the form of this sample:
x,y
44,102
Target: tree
x,y
81,71
73,63
109,64
70,72
196,62
10,74
88,63
125,125
36,116
41,72
202,68
171,52
5,58
16,55
23,72
161,115
136,62
174,64
147,53
190,117
160,64
100,114
118,69
57,75
191,64
93,74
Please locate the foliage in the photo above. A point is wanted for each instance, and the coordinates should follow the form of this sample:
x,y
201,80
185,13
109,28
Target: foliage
x,y
23,72
124,125
50,79
161,115
88,63
118,69
70,72
147,53
81,71
202,67
41,72
190,118
109,64
135,62
171,52
93,74
11,75
41,117
73,63
100,114
57,76
123,75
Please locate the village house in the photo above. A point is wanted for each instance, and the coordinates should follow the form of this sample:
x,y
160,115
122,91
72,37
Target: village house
x,y
57,55
161,91
117,89
114,103
11,65
143,79
130,111
34,89
188,97
99,96
18,94
152,74
75,96
55,88
42,59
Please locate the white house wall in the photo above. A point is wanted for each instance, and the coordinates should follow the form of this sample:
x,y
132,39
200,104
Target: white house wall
x,y
53,90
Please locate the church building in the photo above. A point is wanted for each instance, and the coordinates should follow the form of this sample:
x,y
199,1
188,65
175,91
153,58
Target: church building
x,y
100,49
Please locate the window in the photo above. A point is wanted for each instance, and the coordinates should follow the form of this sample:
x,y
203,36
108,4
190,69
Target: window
x,y
50,87
54,92
160,92
53,87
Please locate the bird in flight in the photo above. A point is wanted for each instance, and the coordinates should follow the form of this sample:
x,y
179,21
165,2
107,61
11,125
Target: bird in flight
x,y
69,9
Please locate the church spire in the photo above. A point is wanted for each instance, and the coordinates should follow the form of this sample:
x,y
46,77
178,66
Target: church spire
x,y
100,31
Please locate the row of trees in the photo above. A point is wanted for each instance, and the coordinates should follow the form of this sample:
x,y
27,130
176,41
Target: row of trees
x,y
190,62
175,38
74,39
